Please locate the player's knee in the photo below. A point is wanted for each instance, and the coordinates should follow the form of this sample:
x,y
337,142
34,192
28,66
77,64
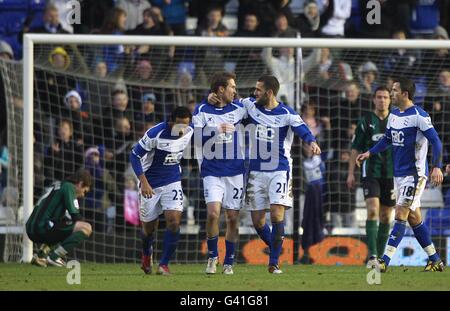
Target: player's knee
x,y
147,230
414,219
385,216
232,220
173,224
276,217
213,216
401,213
385,219
372,213
259,223
86,228
277,214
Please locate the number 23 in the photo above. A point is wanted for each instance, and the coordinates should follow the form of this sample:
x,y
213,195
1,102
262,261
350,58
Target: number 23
x,y
176,196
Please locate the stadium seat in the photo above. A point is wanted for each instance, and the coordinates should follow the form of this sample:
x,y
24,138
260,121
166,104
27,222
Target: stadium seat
x,y
36,5
438,221
37,20
36,8
232,7
15,4
447,199
432,198
421,90
13,14
12,21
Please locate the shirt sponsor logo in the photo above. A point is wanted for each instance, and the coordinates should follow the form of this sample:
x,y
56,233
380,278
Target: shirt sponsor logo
x,y
398,138
173,158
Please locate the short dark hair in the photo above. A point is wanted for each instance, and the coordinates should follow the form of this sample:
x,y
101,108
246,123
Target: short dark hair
x,y
180,112
82,175
407,85
270,83
215,7
280,15
221,79
381,88
147,11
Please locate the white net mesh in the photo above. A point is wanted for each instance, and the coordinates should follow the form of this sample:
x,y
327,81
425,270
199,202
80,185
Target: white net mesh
x,y
93,97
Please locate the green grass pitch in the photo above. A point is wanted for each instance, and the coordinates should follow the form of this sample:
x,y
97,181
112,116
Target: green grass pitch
x,y
191,276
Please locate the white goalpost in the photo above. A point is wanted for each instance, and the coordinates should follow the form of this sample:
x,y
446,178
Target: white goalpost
x,y
30,41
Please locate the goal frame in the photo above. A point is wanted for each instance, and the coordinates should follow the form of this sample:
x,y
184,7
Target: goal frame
x,y
29,40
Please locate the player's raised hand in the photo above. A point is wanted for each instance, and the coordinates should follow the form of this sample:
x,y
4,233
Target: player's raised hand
x,y
436,176
315,148
361,157
146,189
213,98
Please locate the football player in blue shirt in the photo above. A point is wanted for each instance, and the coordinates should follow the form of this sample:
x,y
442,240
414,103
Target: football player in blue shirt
x,y
221,162
156,162
409,130
272,126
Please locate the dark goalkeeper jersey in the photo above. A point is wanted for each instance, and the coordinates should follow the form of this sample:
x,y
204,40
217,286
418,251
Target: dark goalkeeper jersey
x,y
58,204
369,131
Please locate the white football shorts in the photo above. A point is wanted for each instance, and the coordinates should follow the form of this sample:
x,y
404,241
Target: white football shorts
x,y
168,197
228,190
409,190
266,188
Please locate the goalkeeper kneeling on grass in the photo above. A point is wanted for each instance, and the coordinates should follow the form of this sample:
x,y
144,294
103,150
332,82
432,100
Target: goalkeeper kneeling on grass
x,y
56,221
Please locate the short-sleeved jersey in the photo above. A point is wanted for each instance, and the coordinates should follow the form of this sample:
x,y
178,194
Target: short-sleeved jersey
x,y
369,131
409,145
58,204
222,153
272,135
160,154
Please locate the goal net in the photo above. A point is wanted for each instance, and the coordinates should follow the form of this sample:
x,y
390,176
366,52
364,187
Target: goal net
x,y
94,97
